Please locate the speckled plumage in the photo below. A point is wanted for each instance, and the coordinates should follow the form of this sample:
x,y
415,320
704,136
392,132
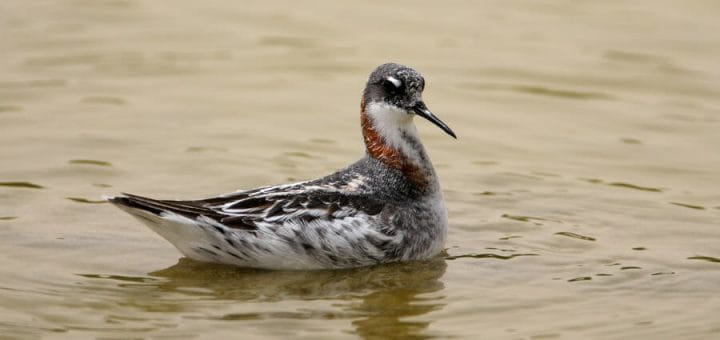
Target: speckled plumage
x,y
386,207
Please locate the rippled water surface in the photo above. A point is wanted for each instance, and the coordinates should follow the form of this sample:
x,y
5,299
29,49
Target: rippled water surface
x,y
583,191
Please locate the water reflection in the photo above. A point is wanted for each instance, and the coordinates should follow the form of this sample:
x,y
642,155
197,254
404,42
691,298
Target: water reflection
x,y
376,301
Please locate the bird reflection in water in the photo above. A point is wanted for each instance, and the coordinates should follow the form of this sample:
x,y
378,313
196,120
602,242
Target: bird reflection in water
x,y
378,300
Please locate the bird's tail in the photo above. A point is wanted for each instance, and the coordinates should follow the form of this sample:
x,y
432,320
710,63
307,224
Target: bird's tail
x,y
163,218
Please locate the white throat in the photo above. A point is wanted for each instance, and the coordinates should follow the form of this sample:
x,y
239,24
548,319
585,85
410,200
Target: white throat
x,y
395,126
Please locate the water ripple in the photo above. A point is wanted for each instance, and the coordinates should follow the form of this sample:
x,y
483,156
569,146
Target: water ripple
x,y
85,200
489,256
90,162
576,236
685,205
633,186
541,91
22,184
705,258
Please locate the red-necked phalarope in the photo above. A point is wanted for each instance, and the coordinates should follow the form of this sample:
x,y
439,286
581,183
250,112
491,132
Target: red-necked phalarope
x,y
386,207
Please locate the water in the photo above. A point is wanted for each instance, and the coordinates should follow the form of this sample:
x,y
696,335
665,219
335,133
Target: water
x,y
583,191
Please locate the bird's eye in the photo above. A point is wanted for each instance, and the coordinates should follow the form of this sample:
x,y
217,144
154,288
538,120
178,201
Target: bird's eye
x,y
392,84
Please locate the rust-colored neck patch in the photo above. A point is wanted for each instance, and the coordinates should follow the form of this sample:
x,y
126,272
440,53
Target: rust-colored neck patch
x,y
377,148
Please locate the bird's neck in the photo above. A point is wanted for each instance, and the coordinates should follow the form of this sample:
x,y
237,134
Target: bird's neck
x,y
391,138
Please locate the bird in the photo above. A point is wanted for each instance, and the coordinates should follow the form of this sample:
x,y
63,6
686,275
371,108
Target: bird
x,y
386,207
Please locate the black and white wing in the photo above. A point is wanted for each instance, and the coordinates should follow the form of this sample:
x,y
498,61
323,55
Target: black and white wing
x,y
273,205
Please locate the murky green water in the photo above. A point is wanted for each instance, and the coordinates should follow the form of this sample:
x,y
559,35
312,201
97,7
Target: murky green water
x,y
584,188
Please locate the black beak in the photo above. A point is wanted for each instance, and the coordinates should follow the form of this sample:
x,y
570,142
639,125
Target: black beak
x,y
421,110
